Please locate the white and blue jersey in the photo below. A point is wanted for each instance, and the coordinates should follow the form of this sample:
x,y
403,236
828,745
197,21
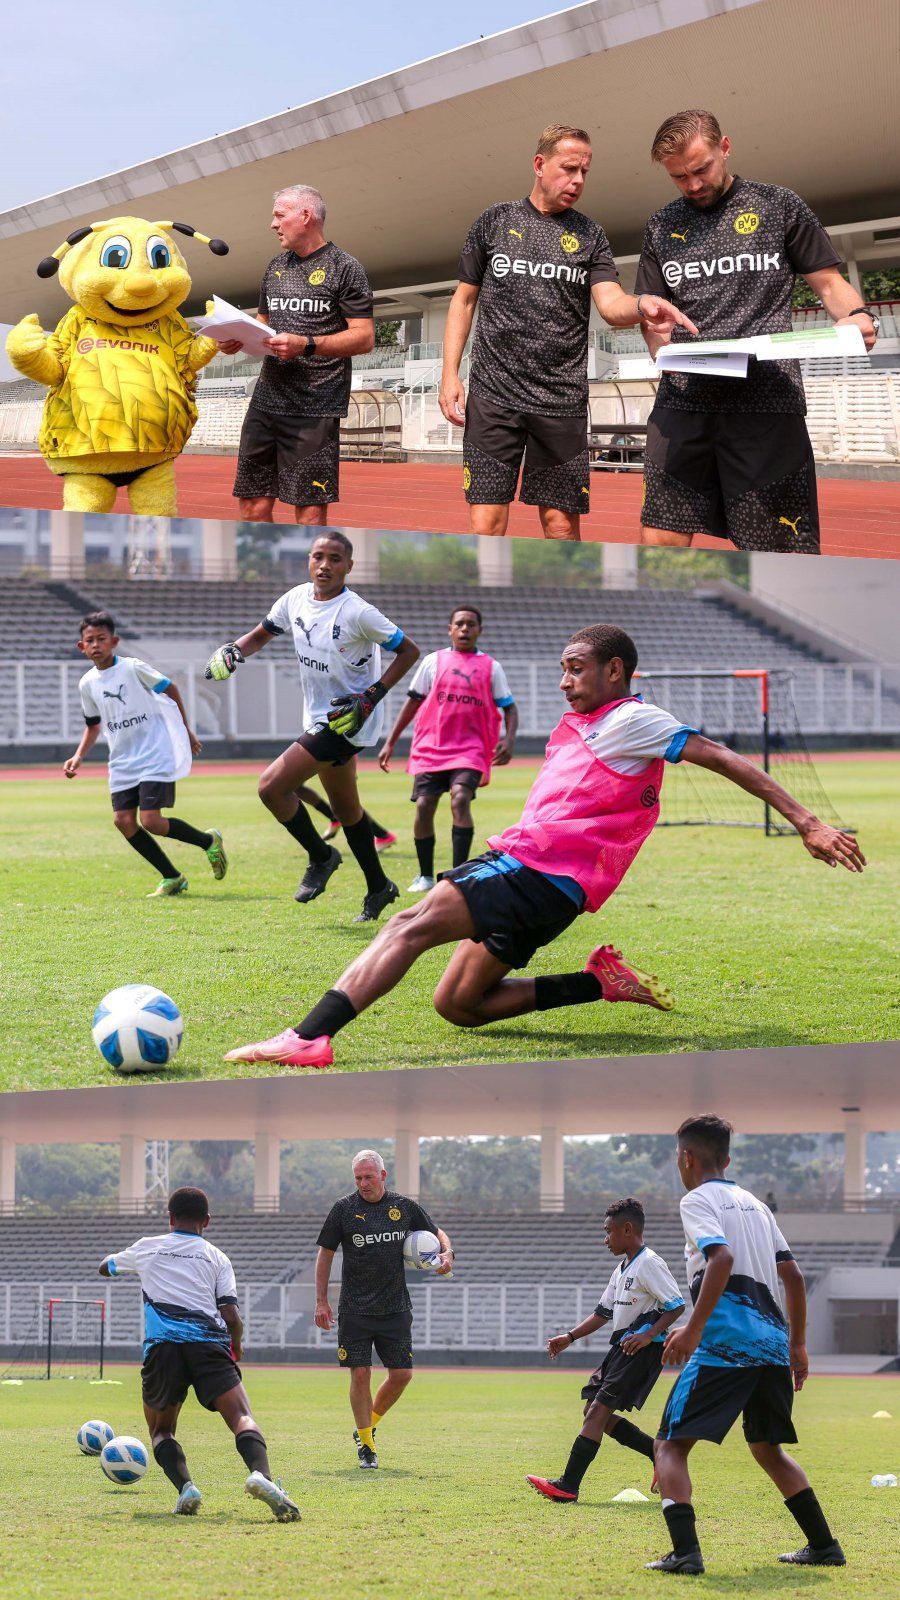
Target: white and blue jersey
x,y
143,727
184,1281
637,1295
747,1327
338,643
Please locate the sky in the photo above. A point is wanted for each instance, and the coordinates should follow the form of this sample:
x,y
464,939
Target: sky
x,y
172,75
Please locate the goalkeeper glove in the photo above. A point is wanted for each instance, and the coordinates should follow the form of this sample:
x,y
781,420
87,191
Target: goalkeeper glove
x,y
224,662
351,710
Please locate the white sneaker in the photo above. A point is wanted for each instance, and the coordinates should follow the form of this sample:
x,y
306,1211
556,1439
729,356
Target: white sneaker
x,y
421,884
262,1488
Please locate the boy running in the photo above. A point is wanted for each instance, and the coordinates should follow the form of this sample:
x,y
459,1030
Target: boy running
x,y
193,1340
456,698
142,717
338,638
739,1354
642,1301
592,805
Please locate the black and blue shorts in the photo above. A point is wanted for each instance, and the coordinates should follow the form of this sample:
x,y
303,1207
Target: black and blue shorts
x,y
515,909
706,1402
623,1382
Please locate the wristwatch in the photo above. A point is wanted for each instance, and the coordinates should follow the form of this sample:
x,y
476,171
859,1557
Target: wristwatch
x,y
310,347
863,311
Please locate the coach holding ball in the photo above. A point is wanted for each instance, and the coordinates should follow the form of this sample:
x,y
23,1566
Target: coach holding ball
x,y
317,301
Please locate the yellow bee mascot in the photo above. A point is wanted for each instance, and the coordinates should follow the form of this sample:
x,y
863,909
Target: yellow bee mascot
x,y
121,366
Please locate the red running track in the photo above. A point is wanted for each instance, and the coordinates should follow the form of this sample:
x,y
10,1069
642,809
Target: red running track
x,y
858,518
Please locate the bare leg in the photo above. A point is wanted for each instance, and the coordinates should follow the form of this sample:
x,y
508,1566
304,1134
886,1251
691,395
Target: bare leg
x,y
258,510
597,1418
234,1409
560,524
665,536
397,1380
341,786
426,808
489,521
440,918
461,806
280,781
672,1469
361,1396
311,516
786,1474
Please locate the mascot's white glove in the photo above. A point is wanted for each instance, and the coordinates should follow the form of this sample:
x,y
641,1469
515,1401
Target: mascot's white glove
x,y
225,661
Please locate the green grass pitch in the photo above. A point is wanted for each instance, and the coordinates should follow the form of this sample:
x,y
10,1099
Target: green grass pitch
x,y
761,945
448,1511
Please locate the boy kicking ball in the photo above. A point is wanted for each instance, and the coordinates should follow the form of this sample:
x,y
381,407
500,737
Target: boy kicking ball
x,y
642,1301
142,716
592,805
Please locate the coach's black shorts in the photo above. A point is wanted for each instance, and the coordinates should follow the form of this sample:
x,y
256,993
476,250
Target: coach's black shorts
x,y
430,785
706,1402
294,459
624,1382
152,795
555,450
745,476
171,1368
390,1336
514,912
330,748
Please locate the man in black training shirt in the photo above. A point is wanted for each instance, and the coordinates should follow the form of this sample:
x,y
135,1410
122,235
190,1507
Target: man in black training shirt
x,y
533,267
318,303
731,456
370,1226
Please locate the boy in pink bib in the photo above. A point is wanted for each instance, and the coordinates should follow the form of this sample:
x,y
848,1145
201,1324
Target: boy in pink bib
x,y
456,698
592,805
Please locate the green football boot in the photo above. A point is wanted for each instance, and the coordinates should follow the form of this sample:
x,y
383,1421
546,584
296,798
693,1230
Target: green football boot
x,y
215,855
169,886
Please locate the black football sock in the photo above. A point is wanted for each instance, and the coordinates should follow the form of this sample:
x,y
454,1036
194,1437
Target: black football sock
x,y
425,853
581,1455
361,840
566,989
625,1432
170,1457
252,1447
328,1015
379,831
805,1509
146,846
682,1527
461,840
185,834
301,828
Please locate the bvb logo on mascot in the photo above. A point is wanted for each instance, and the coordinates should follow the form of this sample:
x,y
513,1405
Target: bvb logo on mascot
x,y
317,277
120,407
394,1214
747,222
569,243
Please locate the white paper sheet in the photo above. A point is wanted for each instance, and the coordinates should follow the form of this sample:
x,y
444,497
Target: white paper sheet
x,y
728,358
226,322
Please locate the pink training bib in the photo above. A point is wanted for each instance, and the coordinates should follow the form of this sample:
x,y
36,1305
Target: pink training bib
x,y
458,723
582,820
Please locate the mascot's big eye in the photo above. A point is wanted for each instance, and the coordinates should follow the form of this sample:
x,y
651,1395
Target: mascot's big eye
x,y
116,252
158,252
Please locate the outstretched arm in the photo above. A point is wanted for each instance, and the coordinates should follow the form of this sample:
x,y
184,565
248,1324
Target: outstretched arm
x,y
623,310
224,661
32,353
405,716
558,1342
831,845
839,298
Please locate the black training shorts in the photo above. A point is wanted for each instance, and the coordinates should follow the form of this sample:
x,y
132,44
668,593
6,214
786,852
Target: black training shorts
x,y
706,1402
623,1382
515,912
292,459
745,476
153,795
431,785
330,749
391,1337
555,452
172,1367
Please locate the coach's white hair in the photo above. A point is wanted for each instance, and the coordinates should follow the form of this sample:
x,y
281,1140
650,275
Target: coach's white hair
x,y
303,195
367,1155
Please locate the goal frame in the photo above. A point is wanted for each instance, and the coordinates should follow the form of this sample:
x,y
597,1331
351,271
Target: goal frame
x,y
59,1300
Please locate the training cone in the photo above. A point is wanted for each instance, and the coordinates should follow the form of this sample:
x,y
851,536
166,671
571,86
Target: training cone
x,y
882,1415
629,1497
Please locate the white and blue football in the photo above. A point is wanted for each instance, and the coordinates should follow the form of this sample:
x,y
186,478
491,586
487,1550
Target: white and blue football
x,y
124,1460
137,1028
421,1250
92,1436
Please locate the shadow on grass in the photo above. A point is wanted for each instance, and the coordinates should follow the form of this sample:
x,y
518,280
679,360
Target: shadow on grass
x,y
347,1474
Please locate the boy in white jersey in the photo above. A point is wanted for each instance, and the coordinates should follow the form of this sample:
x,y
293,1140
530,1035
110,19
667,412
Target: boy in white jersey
x,y
142,716
592,805
338,638
193,1340
738,1352
642,1301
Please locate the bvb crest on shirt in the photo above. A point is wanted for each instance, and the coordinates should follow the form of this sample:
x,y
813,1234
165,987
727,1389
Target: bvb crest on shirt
x,y
394,1214
342,1354
569,243
747,222
317,277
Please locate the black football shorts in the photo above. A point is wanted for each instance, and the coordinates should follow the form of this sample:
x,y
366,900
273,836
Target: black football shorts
x,y
292,459
554,450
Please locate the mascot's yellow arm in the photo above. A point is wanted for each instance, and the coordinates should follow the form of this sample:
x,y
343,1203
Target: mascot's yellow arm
x,y
32,354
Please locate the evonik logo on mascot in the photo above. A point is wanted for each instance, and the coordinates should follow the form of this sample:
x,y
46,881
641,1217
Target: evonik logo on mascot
x,y
721,266
84,346
502,265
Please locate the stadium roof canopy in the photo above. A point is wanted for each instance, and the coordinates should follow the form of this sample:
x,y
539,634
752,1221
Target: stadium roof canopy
x,y
805,88
825,1089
